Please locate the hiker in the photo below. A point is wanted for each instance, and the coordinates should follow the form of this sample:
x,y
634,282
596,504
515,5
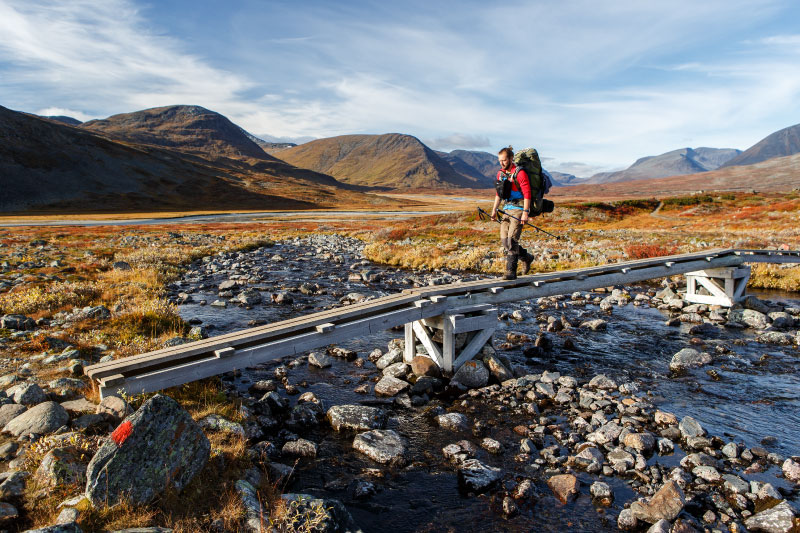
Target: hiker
x,y
518,205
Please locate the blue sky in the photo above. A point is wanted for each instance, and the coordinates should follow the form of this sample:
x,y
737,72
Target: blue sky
x,y
593,85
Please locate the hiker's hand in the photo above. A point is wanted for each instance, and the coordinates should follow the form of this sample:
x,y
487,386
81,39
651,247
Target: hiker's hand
x,y
524,217
494,214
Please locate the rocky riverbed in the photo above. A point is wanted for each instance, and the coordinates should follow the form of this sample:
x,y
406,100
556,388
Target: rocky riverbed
x,y
593,402
624,408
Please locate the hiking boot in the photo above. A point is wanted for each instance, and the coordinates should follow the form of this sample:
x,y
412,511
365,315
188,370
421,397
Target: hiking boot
x,y
511,267
527,261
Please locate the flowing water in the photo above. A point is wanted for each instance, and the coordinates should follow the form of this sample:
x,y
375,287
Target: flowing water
x,y
754,395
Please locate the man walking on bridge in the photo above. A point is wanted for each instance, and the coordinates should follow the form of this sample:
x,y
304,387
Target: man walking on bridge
x,y
513,186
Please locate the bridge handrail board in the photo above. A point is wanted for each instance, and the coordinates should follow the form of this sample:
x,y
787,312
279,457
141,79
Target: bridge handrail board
x,y
482,291
255,335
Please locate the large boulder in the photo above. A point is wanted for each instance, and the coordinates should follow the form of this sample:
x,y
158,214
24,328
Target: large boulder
x,y
9,412
27,394
157,447
472,374
778,519
750,317
358,417
42,419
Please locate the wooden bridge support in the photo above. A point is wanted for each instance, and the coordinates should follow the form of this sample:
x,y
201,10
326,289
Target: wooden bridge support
x,y
477,321
717,286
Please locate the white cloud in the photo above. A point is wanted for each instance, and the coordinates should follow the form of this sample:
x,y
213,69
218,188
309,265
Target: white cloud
x,y
63,112
463,141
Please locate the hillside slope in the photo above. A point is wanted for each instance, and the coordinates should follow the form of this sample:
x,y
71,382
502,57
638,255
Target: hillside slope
x,y
779,144
49,167
191,129
392,160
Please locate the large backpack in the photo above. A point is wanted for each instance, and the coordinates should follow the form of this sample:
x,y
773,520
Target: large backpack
x,y
540,180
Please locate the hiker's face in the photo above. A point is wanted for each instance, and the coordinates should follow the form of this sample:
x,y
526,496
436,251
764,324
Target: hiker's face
x,y
505,161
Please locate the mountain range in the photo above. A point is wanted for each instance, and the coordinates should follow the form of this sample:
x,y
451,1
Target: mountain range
x,y
48,166
675,162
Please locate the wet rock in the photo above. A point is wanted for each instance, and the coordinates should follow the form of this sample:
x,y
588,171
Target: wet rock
x,y
626,521
607,434
525,490
791,469
564,486
665,419
662,526
389,386
665,446
509,507
41,419
597,324
781,320
319,360
602,382
776,337
497,369
641,442
779,519
602,493
491,445
753,303
62,466
690,427
749,317
381,445
474,476
472,374
688,358
156,447
425,366
731,450
666,504
300,448
707,473
734,484
453,421
620,460
10,411
28,394
356,417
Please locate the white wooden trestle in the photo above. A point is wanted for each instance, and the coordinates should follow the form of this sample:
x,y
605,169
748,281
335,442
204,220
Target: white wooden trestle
x,y
478,320
717,286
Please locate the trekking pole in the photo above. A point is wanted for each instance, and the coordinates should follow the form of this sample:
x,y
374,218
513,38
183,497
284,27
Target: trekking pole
x,y
482,214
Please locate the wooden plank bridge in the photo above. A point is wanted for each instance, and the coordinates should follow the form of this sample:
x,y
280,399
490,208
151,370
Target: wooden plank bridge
x,y
454,308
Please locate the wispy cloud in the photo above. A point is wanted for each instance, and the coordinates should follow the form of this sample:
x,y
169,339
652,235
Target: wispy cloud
x,y
600,84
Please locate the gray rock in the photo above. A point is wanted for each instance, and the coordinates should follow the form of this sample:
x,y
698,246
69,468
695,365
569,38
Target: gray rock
x,y
14,485
690,427
626,521
749,317
475,476
753,303
115,407
300,448
319,360
734,484
491,445
662,526
453,421
58,528
41,419
389,386
157,447
27,394
217,423
791,470
62,466
10,411
7,512
775,337
602,491
256,518
597,324
602,382
63,384
688,358
396,370
472,374
79,406
356,417
731,450
779,519
641,442
381,445
17,322
781,320
389,358
707,473
620,460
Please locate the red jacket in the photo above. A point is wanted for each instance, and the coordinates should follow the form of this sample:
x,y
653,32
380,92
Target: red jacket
x,y
522,180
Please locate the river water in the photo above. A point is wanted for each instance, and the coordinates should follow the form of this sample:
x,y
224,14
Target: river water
x,y
753,395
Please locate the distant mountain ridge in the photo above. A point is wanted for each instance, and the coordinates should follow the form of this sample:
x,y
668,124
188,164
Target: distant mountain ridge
x,y
779,144
391,160
65,120
187,128
673,163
